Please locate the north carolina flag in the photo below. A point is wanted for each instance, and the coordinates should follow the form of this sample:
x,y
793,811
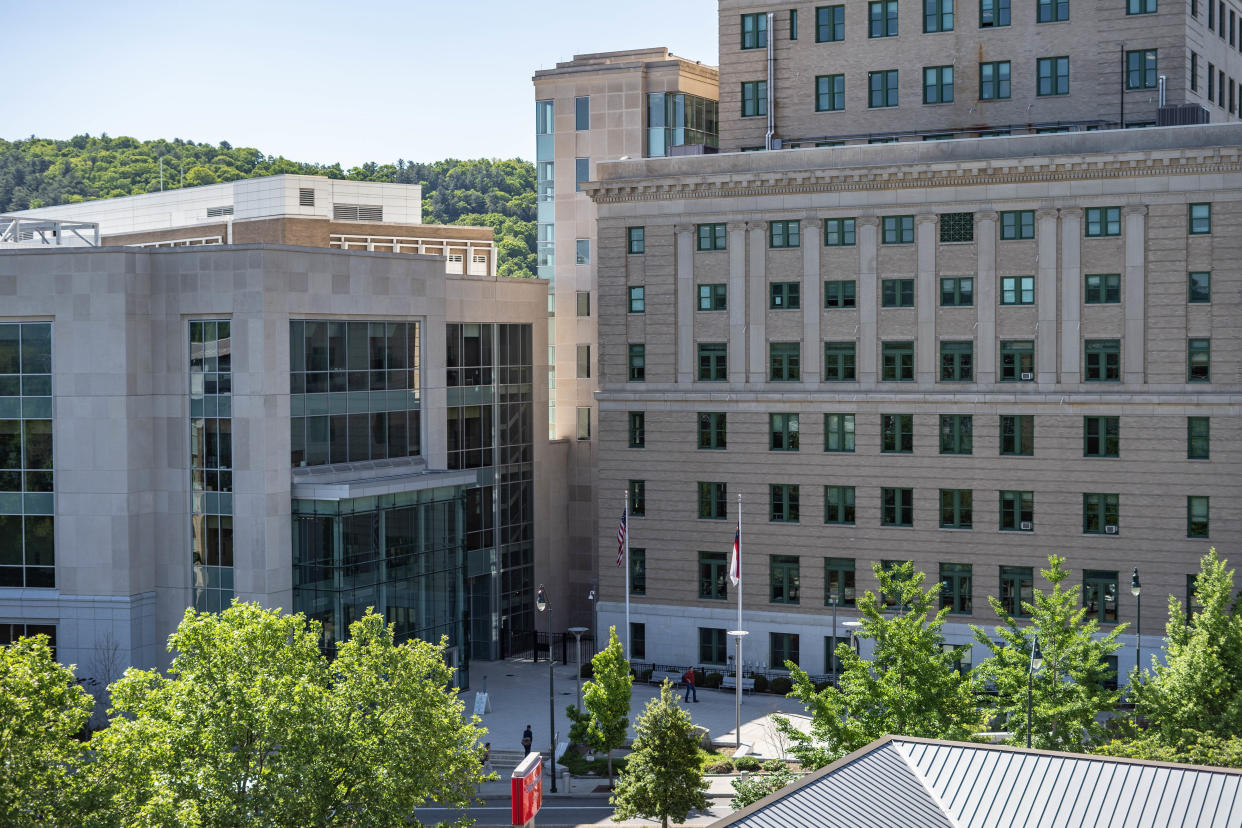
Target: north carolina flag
x,y
735,560
621,540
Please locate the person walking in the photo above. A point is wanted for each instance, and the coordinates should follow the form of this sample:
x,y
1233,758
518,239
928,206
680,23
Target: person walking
x,y
487,757
528,739
690,688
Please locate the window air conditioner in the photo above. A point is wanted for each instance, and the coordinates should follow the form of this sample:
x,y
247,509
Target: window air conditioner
x,y
1028,375
1110,530
1025,526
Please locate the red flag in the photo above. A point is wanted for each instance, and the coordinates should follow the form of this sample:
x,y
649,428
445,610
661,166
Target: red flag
x,y
621,540
735,560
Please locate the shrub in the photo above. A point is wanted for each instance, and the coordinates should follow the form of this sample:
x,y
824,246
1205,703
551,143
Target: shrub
x,y
588,670
645,675
720,767
700,677
820,686
774,765
712,680
781,685
761,683
746,763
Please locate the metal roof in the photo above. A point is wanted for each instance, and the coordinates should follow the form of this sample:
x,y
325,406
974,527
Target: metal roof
x,y
900,781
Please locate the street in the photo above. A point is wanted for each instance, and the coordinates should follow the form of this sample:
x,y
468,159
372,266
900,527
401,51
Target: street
x,y
559,812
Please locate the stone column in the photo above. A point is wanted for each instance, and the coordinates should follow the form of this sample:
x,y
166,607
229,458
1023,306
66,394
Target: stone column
x,y
686,297
867,237
926,352
812,301
737,303
1133,348
1071,295
1046,297
756,298
985,297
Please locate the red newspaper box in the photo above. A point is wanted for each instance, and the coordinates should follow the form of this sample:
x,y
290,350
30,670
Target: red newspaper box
x,y
526,788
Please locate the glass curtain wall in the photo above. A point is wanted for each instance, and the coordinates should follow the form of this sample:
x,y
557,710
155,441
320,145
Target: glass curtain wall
x,y
675,119
211,463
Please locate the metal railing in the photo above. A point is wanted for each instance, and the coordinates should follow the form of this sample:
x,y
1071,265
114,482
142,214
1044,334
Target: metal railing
x,y
31,232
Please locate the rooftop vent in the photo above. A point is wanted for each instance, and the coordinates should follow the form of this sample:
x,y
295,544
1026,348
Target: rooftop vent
x,y
1182,115
357,212
306,196
216,212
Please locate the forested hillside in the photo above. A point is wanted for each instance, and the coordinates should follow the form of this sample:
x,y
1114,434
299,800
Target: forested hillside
x,y
39,172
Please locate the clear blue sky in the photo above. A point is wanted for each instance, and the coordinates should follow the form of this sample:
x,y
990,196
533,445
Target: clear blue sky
x,y
316,81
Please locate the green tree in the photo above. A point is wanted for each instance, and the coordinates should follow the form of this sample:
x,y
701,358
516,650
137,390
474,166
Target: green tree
x,y
910,686
41,708
1068,692
662,778
606,720
254,726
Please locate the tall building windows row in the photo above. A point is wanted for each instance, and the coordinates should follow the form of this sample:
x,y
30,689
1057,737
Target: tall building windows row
x,y
211,463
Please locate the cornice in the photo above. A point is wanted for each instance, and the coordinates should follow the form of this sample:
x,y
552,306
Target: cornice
x,y
1208,161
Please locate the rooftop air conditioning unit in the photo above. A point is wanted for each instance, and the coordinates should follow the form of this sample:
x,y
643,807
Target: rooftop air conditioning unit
x,y
1028,375
1025,526
1110,529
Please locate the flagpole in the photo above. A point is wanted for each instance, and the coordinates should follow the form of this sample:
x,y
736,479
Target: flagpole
x,y
740,633
739,560
626,517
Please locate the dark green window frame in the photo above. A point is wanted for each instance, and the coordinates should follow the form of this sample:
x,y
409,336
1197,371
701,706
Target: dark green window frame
x,y
713,430
840,361
897,362
712,236
841,293
1099,513
713,361
1099,595
1017,225
896,507
1052,11
1199,219
782,432
637,299
937,84
839,432
713,501
993,14
1199,287
957,433
755,30
995,81
1198,360
1017,360
839,506
956,583
754,99
1102,221
714,297
1017,587
782,647
1141,69
957,291
839,581
1102,289
783,502
785,296
1017,511
882,15
896,293
897,230
882,89
1140,6
1102,360
636,242
793,24
1017,435
637,429
638,639
1017,290
1101,436
839,232
713,645
713,576
897,433
1197,516
1052,76
937,16
637,362
784,233
638,571
829,93
784,361
956,509
957,362
1198,438
638,498
783,579
829,24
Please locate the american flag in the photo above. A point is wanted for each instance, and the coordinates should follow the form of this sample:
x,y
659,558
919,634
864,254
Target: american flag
x,y
621,540
735,560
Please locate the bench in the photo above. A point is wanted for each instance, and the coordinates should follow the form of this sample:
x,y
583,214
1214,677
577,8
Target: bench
x,y
671,675
730,683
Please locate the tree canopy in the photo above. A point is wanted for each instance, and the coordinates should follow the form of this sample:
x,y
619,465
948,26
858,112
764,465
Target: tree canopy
x,y
604,723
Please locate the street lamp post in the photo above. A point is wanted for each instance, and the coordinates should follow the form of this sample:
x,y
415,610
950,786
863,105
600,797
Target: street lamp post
x,y
738,635
578,631
1036,662
1136,589
542,603
832,655
593,597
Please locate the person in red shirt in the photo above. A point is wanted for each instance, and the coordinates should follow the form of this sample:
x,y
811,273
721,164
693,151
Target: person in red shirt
x,y
690,688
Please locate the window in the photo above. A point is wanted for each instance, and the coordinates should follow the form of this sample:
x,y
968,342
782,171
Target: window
x,y
1102,288
783,579
638,639
713,362
897,433
1017,511
829,93
793,24
1101,436
711,236
754,98
839,509
784,233
10,632
713,646
937,16
543,118
583,302
1211,79
782,647
957,291
937,83
782,432
1017,434
897,293
754,31
1051,11
883,18
1017,587
955,508
637,363
713,297
713,430
897,362
839,575
1199,287
1018,290
636,241
1194,72
638,571
1198,360
784,296
956,434
1053,76
1099,595
1017,360
1103,360
898,230
1141,69
839,232
1200,219
713,501
829,24
896,507
841,294
955,588
1099,514
993,13
839,432
582,172
1197,516
582,113
584,362
957,361
584,422
883,86
783,361
637,429
783,503
1140,6
713,573
1198,432
994,82
638,498
1103,221
839,361
637,299
1017,224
